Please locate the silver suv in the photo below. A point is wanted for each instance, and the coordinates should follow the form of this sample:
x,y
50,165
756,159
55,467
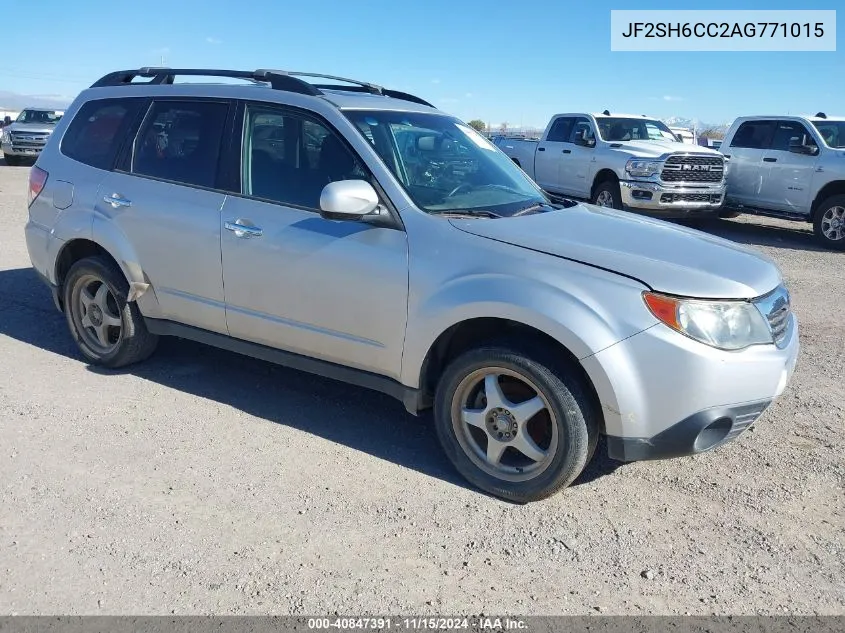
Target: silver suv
x,y
356,232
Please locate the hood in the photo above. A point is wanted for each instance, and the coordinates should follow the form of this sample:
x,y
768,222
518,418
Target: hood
x,y
30,127
666,257
656,149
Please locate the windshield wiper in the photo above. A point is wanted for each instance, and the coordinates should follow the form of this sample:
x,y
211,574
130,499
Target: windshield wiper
x,y
472,213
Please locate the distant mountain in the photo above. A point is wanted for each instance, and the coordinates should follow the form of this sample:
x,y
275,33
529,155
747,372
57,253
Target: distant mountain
x,y
15,101
678,121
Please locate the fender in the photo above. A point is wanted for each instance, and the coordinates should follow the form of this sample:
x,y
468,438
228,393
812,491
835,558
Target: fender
x,y
564,311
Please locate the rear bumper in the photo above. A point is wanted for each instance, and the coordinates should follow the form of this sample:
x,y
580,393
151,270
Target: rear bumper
x,y
672,202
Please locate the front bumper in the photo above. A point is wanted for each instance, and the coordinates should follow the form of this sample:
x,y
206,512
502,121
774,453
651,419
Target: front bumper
x,y
665,395
672,201
10,149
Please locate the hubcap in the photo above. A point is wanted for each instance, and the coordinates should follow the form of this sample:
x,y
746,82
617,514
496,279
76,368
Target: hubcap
x,y
504,424
833,223
95,314
604,199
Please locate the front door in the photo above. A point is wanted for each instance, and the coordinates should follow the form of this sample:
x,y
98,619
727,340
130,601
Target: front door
x,y
329,289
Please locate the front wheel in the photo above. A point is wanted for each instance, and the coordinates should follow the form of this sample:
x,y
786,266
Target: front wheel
x,y
829,222
515,426
608,194
108,330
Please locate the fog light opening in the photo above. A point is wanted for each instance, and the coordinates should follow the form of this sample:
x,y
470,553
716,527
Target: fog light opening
x,y
639,194
712,434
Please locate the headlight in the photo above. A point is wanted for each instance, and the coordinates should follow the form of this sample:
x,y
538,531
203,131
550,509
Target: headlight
x,y
728,325
643,168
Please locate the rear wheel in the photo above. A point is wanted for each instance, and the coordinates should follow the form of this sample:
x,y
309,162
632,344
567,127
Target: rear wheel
x,y
829,222
515,426
608,194
108,330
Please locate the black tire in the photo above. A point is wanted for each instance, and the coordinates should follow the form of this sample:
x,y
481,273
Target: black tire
x,y
727,214
12,161
830,210
611,188
574,417
129,344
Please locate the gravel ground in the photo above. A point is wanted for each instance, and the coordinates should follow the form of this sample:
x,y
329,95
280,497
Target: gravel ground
x,y
205,482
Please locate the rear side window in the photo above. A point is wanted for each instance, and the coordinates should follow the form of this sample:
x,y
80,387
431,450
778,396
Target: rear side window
x,y
96,132
754,135
180,141
561,129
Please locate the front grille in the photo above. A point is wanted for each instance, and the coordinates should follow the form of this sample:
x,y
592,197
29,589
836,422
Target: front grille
x,y
777,309
713,198
23,136
684,168
28,144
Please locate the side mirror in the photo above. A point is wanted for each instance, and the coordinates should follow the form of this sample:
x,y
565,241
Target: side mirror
x,y
584,142
348,200
797,147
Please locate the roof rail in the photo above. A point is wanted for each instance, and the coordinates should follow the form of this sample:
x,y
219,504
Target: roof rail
x,y
278,80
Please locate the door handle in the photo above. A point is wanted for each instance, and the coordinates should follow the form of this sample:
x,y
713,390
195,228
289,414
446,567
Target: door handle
x,y
116,200
541,149
243,230
567,151
770,160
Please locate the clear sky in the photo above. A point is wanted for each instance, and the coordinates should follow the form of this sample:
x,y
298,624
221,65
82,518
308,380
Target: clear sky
x,y
498,61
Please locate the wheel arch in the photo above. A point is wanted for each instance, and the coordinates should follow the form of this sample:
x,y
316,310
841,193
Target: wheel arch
x,y
603,175
833,188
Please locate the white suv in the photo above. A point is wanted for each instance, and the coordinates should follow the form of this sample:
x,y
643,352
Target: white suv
x,y
789,167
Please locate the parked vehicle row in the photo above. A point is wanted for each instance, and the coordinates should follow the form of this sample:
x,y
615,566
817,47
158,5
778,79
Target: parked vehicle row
x,y
622,161
787,167
359,233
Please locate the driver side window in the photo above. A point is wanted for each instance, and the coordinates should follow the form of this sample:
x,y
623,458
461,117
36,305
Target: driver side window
x,y
582,128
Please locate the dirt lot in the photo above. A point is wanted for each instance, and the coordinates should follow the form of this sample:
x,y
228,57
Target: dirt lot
x,y
204,482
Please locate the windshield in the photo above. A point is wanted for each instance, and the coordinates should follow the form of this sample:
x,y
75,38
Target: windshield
x,y
445,165
833,132
614,129
50,117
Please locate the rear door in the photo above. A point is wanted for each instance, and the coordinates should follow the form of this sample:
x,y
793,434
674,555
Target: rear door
x,y
163,201
547,158
788,184
577,165
747,172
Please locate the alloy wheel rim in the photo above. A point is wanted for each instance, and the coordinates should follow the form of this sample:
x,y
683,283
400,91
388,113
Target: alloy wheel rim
x,y
504,424
833,223
96,314
604,199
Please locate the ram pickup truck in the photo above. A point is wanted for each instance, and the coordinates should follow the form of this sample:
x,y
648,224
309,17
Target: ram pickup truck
x,y
26,137
789,167
622,161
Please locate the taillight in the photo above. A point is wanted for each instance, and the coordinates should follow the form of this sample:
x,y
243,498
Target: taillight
x,y
37,180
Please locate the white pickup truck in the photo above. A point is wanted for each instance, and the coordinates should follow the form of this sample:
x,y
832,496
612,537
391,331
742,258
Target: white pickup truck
x,y
623,161
789,167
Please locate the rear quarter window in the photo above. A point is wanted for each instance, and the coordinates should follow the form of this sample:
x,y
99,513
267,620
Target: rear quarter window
x,y
95,134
